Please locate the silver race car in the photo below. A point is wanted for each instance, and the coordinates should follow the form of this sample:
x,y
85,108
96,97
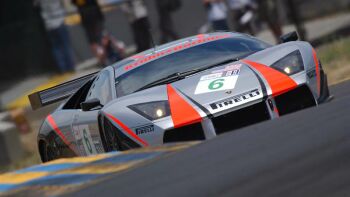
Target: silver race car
x,y
191,89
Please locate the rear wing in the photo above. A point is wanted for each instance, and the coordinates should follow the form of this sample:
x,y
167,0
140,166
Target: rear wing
x,y
58,93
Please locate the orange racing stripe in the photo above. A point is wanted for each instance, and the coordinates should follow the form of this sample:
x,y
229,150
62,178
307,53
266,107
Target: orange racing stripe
x,y
54,126
182,113
278,82
126,128
318,74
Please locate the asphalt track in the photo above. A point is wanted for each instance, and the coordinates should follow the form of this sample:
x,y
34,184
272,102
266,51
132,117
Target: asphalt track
x,y
303,154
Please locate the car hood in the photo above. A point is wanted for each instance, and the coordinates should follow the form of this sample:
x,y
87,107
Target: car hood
x,y
215,90
222,88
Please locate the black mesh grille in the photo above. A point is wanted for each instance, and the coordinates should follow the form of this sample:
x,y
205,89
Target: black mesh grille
x,y
241,118
192,132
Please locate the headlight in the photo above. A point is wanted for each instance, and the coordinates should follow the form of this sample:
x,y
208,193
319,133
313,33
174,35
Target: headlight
x,y
153,110
291,64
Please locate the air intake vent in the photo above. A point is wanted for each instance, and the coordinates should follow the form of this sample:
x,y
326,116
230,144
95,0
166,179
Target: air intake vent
x,y
192,132
295,100
241,118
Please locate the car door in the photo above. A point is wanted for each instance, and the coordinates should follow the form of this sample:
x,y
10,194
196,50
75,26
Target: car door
x,y
85,123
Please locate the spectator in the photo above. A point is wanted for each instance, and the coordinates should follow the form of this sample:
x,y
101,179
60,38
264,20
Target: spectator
x,y
239,10
269,13
166,24
93,22
53,14
114,50
217,14
294,15
138,18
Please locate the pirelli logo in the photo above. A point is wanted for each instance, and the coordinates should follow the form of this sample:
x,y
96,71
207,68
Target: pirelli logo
x,y
144,130
235,100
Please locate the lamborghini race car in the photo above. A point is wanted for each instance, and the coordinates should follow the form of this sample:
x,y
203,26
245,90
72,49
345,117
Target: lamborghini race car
x,y
191,89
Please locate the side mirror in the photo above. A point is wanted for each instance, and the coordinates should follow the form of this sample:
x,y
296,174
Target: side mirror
x,y
289,37
90,104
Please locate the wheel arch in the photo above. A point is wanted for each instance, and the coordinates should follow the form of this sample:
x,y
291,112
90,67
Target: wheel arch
x,y
42,145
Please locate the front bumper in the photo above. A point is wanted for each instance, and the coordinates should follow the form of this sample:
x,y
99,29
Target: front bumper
x,y
223,123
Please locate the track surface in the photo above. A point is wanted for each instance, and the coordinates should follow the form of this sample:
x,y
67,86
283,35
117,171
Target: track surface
x,y
302,154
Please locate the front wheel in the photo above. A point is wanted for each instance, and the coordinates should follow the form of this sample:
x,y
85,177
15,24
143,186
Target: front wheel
x,y
324,94
113,138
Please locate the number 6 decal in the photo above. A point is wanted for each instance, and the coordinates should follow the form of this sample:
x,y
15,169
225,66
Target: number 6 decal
x,y
207,84
217,84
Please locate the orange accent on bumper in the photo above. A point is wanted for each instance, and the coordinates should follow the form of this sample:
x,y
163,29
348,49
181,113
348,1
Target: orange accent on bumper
x,y
278,82
182,113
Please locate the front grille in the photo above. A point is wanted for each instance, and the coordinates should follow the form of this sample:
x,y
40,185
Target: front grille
x,y
241,118
192,132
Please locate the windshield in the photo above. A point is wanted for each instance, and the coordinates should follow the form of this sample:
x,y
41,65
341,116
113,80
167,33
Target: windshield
x,y
192,58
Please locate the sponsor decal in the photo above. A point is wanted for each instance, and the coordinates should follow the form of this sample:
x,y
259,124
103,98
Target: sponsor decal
x,y
144,130
233,101
87,142
211,76
200,40
232,67
219,81
84,139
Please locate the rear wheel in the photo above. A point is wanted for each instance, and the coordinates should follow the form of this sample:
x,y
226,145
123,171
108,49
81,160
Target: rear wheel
x,y
49,150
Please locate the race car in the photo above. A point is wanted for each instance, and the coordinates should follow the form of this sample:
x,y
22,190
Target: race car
x,y
189,90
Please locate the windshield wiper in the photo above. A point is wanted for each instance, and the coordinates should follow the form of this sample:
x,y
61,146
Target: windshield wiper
x,y
170,78
181,75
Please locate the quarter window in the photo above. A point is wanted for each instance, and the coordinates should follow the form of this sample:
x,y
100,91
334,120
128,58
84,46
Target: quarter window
x,y
101,88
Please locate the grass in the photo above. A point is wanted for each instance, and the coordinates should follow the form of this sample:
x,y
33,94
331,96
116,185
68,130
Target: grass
x,y
335,58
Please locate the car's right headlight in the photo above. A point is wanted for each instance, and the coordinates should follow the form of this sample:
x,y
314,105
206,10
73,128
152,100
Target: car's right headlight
x,y
290,64
152,110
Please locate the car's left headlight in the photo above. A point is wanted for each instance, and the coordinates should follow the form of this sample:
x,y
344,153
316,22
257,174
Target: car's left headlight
x,y
290,64
152,110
